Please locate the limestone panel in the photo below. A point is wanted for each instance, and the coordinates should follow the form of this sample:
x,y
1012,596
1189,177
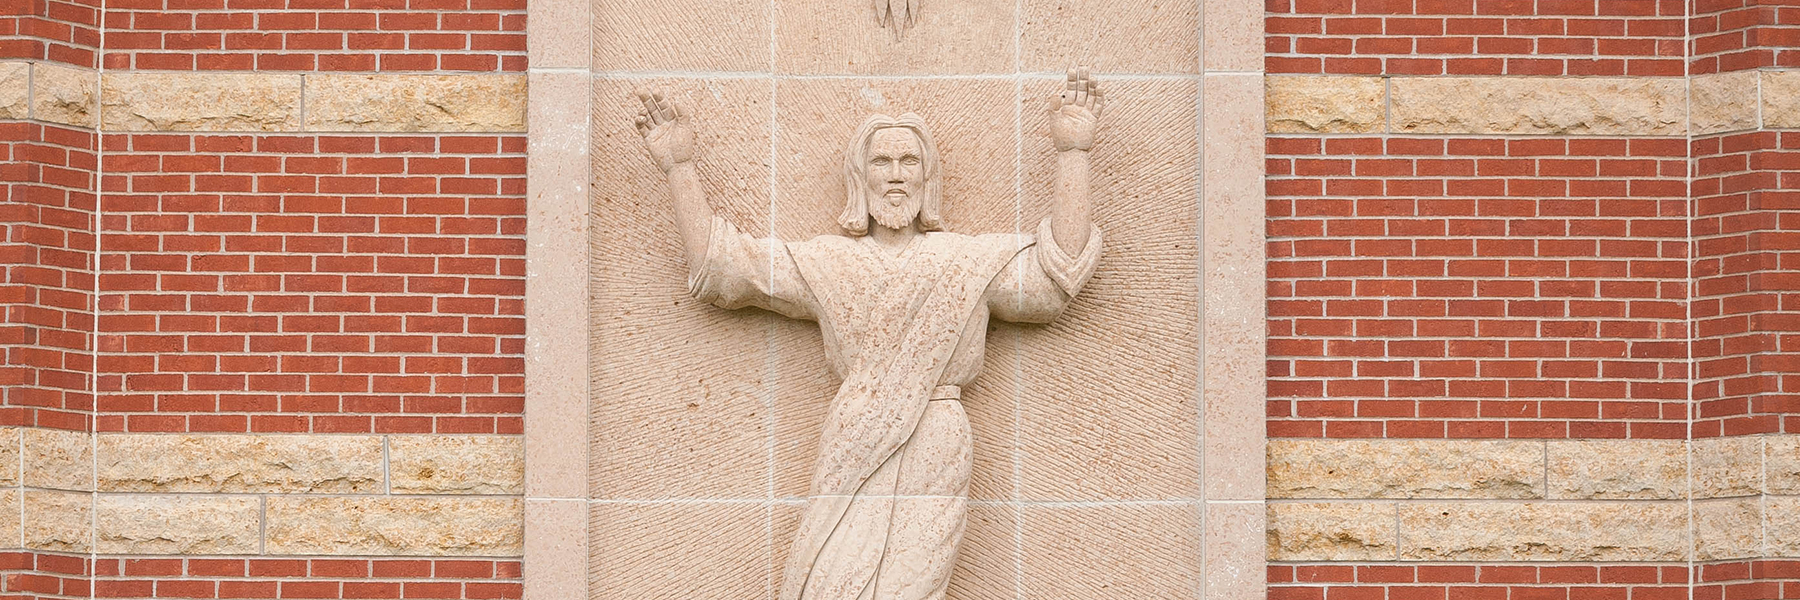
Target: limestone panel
x,y
15,90
697,550
1729,466
556,286
1727,529
240,463
1314,531
58,459
1233,266
560,34
138,101
1618,469
1405,469
1233,36
634,35
1130,36
428,103
1523,531
1723,102
1118,551
177,524
1538,105
1783,526
842,38
57,521
1108,406
64,95
11,514
1782,464
681,405
9,455
984,563
435,464
390,526
1235,546
1310,104
1781,99
556,544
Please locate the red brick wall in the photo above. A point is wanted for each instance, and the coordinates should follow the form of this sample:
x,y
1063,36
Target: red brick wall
x,y
1735,35
55,30
303,578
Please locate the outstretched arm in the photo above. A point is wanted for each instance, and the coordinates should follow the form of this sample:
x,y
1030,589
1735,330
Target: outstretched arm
x,y
1073,113
665,127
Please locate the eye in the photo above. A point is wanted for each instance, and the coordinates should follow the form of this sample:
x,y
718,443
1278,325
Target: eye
x,y
879,160
910,161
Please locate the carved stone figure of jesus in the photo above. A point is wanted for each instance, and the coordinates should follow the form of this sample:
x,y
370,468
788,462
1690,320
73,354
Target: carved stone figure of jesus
x,y
903,308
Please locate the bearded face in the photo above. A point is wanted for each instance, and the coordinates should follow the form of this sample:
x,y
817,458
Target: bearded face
x,y
895,176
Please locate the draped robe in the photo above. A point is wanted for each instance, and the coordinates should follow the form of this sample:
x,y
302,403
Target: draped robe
x,y
902,331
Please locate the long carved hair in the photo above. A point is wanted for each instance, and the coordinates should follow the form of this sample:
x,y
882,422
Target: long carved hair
x,y
855,218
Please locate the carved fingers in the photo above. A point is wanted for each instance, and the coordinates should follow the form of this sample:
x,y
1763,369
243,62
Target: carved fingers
x,y
657,109
1079,90
664,125
1074,111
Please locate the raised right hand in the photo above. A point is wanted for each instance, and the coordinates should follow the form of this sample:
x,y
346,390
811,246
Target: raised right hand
x,y
664,125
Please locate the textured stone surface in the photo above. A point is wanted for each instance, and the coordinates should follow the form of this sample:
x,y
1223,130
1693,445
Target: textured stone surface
x,y
1727,529
15,90
64,95
972,36
1515,531
1235,543
9,455
1618,469
1313,531
1729,466
556,543
1233,266
736,34
422,103
1405,469
1130,551
10,515
1781,464
1783,526
1537,105
699,550
200,102
1781,99
1723,102
984,563
430,464
58,521
556,286
1304,104
389,526
1107,403
240,463
177,524
1233,36
57,459
1128,36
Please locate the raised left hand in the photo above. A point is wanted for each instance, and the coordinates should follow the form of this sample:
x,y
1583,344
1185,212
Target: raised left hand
x,y
1074,112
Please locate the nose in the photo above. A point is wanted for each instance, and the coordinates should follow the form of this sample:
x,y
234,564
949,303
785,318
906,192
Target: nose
x,y
893,172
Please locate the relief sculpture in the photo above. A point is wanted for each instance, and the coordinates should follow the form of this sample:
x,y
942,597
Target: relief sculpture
x,y
903,308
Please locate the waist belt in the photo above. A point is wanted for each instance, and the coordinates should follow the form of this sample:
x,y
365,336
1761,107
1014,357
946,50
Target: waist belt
x,y
946,392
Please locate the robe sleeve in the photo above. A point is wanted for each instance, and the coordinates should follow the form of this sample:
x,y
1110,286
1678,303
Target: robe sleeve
x,y
740,270
1038,283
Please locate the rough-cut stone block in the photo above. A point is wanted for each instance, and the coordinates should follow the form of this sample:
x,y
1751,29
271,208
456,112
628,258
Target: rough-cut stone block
x,y
1783,526
15,90
687,550
1235,544
1307,104
1130,36
434,464
1618,469
1518,531
819,38
58,521
9,455
1314,531
64,95
635,35
1107,403
58,459
240,463
137,101
177,524
1403,468
1121,551
394,526
1726,529
1723,102
1781,99
1781,464
1727,466
421,103
1539,105
10,515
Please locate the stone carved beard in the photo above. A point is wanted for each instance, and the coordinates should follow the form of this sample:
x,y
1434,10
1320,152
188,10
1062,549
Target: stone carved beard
x,y
891,215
